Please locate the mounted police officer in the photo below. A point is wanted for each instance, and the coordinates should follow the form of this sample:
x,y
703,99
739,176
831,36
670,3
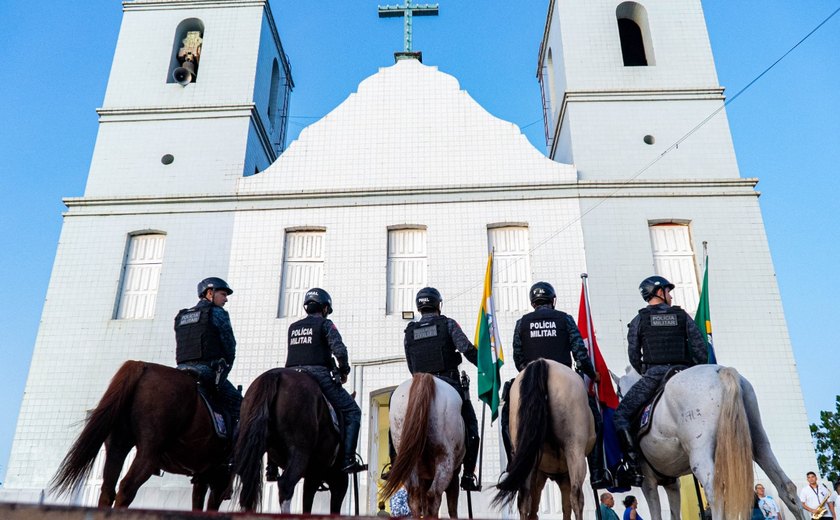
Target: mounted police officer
x,y
313,343
205,343
660,337
548,333
434,345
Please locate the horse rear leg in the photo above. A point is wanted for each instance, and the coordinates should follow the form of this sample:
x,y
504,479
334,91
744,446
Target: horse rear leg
x,y
338,490
650,488
763,454
115,454
295,469
576,464
310,487
674,499
452,492
137,475
529,496
199,493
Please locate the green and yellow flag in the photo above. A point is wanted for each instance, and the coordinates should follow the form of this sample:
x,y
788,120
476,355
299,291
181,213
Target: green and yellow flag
x,y
490,356
703,318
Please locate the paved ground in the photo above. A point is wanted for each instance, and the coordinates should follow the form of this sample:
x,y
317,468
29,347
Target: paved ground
x,y
36,512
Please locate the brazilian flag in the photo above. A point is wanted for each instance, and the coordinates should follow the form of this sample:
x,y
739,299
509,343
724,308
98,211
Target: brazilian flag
x,y
490,355
703,318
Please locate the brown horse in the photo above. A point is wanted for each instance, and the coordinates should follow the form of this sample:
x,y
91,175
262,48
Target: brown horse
x,y
552,430
428,433
285,414
158,410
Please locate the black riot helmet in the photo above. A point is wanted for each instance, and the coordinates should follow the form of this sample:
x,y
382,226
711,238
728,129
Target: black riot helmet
x,y
217,284
428,299
651,285
542,292
317,300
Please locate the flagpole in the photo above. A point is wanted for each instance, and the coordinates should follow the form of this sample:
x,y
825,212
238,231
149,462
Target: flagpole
x,y
585,278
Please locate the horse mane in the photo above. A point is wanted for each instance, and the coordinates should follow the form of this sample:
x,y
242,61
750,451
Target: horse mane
x,y
414,434
733,450
78,462
531,432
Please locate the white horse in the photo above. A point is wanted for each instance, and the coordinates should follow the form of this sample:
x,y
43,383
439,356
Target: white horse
x,y
551,432
708,423
428,434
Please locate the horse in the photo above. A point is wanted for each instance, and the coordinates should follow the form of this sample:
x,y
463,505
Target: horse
x,y
285,415
157,409
551,430
707,423
428,434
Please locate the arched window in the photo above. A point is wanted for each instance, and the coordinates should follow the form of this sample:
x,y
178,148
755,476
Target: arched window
x,y
273,93
140,276
552,94
186,52
634,34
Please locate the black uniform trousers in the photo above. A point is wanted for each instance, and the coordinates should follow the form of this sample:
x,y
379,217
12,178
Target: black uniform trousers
x,y
638,396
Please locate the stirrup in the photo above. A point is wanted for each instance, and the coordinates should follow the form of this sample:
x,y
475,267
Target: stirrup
x,y
354,467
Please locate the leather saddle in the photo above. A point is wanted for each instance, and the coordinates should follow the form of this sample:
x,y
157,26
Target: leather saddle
x,y
210,397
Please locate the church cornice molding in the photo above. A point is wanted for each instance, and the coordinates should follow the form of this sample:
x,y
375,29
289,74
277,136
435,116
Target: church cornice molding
x,y
87,206
179,112
146,5
639,95
122,115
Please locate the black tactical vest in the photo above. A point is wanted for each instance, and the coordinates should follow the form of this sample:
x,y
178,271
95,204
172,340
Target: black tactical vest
x,y
664,336
308,343
196,337
544,335
429,347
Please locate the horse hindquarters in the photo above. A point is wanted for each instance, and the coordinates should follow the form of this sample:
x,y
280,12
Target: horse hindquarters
x,y
533,414
78,462
414,435
253,437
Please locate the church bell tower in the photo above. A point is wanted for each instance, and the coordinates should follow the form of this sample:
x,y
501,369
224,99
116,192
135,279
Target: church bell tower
x,y
197,97
623,81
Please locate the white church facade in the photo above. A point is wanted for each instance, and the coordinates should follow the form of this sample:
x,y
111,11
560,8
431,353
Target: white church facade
x,y
380,198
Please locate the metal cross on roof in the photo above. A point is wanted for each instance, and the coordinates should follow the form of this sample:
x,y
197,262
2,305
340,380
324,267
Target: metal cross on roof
x,y
408,11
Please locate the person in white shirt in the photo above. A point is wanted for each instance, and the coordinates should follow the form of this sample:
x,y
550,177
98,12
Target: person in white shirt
x,y
767,504
836,496
814,494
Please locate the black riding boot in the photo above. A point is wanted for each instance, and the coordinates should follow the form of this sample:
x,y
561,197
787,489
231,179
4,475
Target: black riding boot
x,y
631,457
351,437
599,477
472,441
505,418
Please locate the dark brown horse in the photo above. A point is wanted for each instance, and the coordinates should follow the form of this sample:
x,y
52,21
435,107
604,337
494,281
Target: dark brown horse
x,y
285,414
158,410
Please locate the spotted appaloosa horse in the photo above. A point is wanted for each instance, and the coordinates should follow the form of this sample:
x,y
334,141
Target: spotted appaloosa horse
x,y
285,415
551,431
707,422
428,434
156,409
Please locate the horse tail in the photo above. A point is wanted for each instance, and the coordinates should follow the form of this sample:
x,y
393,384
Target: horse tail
x,y
78,462
733,450
414,435
252,443
531,432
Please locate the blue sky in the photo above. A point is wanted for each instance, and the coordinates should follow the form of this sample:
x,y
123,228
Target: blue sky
x,y
56,57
